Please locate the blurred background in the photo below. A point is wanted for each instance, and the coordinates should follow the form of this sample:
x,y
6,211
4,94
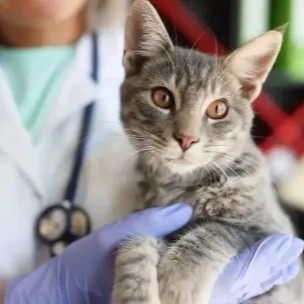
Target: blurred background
x,y
219,26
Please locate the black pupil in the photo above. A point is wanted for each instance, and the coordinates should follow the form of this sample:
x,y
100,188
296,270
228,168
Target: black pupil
x,y
165,98
217,109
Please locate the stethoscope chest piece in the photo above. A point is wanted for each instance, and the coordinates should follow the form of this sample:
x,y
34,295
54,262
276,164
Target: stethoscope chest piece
x,y
61,224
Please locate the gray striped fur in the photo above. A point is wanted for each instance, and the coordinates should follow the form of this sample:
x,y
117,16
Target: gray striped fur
x,y
223,176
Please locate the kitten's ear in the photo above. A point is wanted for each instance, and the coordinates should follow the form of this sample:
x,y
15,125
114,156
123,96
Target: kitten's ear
x,y
145,36
252,62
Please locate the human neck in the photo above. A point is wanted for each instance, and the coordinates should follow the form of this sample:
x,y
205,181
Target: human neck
x,y
61,33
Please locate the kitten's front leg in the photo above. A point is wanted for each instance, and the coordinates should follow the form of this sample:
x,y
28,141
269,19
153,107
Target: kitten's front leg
x,y
189,268
179,285
136,272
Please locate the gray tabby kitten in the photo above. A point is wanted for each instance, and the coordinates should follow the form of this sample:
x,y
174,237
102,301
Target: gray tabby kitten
x,y
189,117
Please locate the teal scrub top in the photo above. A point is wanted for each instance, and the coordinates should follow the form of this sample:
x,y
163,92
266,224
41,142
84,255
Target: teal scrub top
x,y
35,76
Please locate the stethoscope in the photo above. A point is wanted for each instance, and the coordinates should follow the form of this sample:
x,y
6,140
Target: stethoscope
x,y
61,224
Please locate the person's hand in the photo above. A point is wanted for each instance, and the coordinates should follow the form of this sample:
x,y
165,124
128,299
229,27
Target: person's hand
x,y
269,262
83,273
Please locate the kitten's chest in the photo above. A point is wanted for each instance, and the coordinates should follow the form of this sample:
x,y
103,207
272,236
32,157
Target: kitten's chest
x,y
219,199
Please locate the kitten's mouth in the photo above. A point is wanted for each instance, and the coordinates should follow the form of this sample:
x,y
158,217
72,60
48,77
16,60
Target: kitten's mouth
x,y
181,160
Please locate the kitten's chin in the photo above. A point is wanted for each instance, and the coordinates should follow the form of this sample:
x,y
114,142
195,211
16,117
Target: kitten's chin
x,y
181,165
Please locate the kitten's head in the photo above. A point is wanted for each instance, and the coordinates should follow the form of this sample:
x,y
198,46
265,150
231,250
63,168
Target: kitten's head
x,y
182,108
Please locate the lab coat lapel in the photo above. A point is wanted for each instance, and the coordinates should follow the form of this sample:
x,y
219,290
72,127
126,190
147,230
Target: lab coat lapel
x,y
15,141
78,89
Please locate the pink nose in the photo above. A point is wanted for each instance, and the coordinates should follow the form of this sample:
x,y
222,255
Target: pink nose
x,y
185,141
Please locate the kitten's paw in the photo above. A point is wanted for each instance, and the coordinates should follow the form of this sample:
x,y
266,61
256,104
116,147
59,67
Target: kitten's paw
x,y
176,287
181,283
173,293
184,292
135,272
214,210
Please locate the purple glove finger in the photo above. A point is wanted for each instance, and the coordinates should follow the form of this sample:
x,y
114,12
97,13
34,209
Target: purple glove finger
x,y
291,255
264,263
274,251
83,273
282,277
157,222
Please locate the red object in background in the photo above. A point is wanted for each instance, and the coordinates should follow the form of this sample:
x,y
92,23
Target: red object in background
x,y
290,133
286,130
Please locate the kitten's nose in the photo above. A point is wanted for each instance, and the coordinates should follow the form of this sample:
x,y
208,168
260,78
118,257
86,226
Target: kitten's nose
x,y
185,141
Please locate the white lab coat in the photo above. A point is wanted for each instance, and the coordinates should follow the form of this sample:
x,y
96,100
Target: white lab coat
x,y
34,176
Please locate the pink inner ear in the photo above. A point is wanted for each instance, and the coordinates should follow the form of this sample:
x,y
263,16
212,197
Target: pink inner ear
x,y
133,32
248,88
250,85
262,65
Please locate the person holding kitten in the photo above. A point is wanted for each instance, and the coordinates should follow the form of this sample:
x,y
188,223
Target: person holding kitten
x,y
61,151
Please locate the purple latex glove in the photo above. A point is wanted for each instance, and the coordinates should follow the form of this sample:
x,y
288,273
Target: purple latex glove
x,y
269,262
83,273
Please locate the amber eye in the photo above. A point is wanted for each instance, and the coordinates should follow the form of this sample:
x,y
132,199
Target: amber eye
x,y
217,109
163,98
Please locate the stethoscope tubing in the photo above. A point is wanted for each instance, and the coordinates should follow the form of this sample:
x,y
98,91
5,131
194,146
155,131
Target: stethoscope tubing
x,y
67,207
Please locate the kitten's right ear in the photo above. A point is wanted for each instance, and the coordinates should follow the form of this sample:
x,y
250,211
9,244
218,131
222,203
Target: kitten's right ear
x,y
252,62
145,36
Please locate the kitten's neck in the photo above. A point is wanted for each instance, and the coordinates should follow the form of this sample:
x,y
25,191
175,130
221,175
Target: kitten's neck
x,y
161,175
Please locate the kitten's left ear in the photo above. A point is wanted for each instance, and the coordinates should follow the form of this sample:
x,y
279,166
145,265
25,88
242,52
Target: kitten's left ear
x,y
252,62
145,36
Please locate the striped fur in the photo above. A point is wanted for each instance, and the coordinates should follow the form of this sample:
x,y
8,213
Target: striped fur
x,y
223,176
